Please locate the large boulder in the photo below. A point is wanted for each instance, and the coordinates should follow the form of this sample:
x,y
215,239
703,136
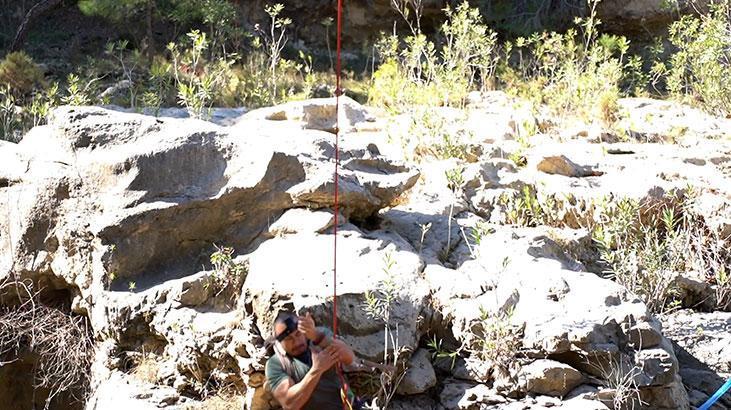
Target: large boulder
x,y
122,211
566,314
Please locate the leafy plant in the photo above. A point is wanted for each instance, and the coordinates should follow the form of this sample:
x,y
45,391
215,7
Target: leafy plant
x,y
576,74
195,77
378,305
645,251
525,209
9,116
128,62
227,274
274,39
439,352
494,340
20,75
455,182
76,93
701,68
418,72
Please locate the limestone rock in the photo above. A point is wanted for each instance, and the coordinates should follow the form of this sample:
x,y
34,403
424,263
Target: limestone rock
x,y
315,114
420,374
560,165
296,272
299,220
550,377
466,396
701,342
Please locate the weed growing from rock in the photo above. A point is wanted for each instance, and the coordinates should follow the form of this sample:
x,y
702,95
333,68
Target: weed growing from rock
x,y
493,340
228,275
379,305
645,250
618,376
525,209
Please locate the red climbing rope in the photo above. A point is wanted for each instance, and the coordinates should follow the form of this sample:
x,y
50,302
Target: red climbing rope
x,y
337,165
344,389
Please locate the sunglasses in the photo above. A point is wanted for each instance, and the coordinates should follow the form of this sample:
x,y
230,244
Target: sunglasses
x,y
291,324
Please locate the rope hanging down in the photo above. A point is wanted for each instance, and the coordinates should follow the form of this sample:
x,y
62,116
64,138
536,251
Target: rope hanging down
x,y
344,388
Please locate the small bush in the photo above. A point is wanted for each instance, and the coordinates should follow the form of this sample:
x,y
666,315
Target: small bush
x,y
644,251
700,70
228,275
494,340
20,74
432,134
418,72
576,74
525,209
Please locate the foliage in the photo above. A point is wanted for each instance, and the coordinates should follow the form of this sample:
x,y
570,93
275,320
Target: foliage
x,y
577,73
227,274
195,78
494,340
417,72
525,209
431,134
273,41
378,305
440,352
645,251
701,67
10,117
128,63
16,120
20,74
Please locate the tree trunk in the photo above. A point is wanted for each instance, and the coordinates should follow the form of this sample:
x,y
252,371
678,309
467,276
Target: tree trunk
x,y
38,9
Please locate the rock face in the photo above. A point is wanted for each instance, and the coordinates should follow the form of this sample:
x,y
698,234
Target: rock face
x,y
124,209
420,375
701,342
120,213
550,377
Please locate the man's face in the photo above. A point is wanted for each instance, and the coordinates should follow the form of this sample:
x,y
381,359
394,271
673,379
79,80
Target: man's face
x,y
295,343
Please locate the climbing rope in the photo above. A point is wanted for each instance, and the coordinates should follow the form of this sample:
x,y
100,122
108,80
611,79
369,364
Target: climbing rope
x,y
720,392
344,388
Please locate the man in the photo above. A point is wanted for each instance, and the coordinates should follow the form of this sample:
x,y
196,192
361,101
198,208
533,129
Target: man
x,y
302,372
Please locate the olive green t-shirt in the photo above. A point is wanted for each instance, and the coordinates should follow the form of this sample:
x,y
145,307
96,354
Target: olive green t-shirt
x,y
326,395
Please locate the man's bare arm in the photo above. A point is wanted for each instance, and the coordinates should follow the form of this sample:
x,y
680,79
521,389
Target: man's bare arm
x,y
291,395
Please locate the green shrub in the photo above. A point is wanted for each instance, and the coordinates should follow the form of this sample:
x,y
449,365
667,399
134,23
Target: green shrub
x,y
432,134
580,73
645,250
20,74
197,78
417,72
701,67
525,209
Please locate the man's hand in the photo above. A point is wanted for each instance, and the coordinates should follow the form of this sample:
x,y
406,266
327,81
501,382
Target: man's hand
x,y
342,351
323,360
306,325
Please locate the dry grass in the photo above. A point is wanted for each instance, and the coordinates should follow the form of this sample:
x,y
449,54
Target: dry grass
x,y
224,399
61,342
618,375
146,368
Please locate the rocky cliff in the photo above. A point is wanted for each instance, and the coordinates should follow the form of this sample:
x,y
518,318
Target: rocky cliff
x,y
112,217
